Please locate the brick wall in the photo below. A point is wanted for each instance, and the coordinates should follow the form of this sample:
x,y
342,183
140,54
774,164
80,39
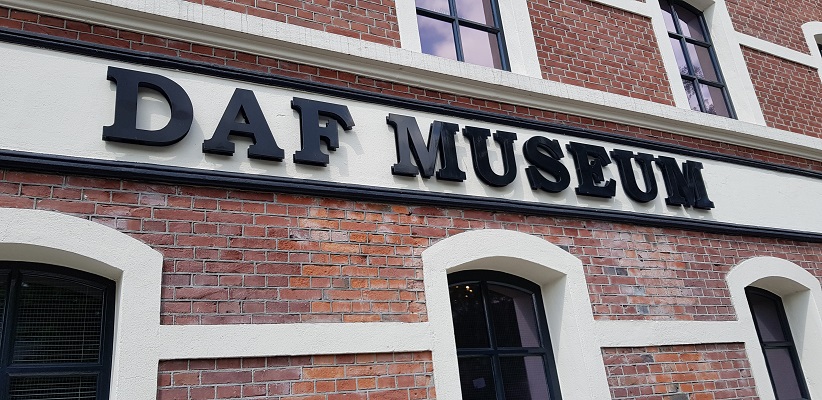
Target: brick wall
x,y
788,92
249,257
778,22
370,20
342,377
684,372
592,45
20,20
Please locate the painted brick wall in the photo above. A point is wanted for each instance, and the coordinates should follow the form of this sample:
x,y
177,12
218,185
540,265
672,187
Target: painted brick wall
x,y
778,22
341,377
248,257
370,20
684,372
97,34
788,92
592,45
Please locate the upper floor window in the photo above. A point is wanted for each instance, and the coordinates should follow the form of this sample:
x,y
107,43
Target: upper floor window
x,y
503,347
464,30
777,344
696,59
56,333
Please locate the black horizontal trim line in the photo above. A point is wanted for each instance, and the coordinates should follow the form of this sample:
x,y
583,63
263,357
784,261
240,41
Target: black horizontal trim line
x,y
53,164
217,71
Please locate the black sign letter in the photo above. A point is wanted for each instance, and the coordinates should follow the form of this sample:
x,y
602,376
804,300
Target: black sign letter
x,y
311,132
626,174
479,155
440,139
548,162
685,187
590,160
244,104
124,129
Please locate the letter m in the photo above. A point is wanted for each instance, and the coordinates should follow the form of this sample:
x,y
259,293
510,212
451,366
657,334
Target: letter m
x,y
409,142
685,187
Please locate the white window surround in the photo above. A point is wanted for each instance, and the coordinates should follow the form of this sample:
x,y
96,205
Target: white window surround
x,y
729,56
57,239
802,297
519,37
580,366
813,35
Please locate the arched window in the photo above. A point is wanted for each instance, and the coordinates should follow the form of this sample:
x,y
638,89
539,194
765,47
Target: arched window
x,y
56,330
503,347
777,344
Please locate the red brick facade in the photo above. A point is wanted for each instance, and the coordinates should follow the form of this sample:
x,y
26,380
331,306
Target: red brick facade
x,y
587,44
246,257
788,92
369,20
778,22
342,377
691,372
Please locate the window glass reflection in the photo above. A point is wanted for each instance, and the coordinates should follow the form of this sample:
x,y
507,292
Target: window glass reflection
x,y
668,16
512,311
468,314
480,47
476,378
477,11
680,57
714,100
524,378
689,23
701,60
440,6
436,37
783,373
690,90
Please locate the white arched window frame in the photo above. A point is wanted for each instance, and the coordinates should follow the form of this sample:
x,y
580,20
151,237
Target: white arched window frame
x,y
57,239
580,366
813,35
802,297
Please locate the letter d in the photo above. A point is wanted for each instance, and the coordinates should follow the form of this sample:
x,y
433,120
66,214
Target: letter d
x,y
124,129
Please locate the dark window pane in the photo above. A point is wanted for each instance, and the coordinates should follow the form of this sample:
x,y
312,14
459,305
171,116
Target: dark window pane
x,y
667,14
702,63
512,312
476,379
4,281
689,23
766,315
440,6
680,56
53,388
437,37
476,10
690,90
783,373
467,311
714,100
479,47
57,321
524,378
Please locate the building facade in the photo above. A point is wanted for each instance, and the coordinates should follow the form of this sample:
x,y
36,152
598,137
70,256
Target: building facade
x,y
400,199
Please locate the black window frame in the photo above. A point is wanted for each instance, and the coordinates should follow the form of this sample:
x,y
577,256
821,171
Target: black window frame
x,y
707,44
482,278
12,272
456,22
786,332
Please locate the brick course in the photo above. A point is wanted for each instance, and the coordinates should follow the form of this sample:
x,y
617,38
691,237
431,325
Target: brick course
x,y
327,377
257,257
369,20
788,92
595,46
778,22
684,372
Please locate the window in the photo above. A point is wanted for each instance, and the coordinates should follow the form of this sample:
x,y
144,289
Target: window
x,y
464,30
777,344
57,330
696,59
503,348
